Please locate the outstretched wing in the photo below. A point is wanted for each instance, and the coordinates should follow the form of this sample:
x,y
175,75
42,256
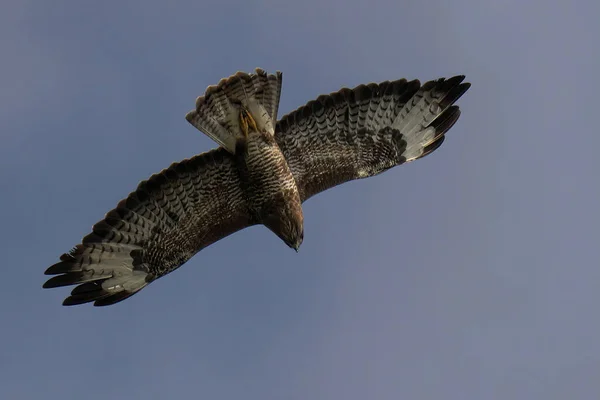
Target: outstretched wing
x,y
156,229
361,132
217,113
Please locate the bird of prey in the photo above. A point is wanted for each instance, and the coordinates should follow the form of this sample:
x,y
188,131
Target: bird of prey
x,y
262,172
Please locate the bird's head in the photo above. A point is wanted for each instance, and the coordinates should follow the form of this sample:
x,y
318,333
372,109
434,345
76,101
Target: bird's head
x,y
295,237
289,226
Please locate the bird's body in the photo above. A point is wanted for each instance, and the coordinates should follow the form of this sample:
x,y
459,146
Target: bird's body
x,y
261,174
271,191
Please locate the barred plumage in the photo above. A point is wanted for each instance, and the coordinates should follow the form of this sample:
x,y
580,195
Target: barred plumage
x,y
217,112
259,176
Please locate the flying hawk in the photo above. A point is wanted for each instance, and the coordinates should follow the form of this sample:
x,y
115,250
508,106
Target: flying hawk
x,y
262,172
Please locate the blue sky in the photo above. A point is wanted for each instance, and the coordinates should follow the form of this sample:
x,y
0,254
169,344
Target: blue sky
x,y
470,274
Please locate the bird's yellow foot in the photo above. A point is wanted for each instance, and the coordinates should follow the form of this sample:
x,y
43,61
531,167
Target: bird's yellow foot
x,y
247,122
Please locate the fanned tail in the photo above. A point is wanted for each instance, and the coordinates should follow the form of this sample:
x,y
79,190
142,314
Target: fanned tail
x,y
217,113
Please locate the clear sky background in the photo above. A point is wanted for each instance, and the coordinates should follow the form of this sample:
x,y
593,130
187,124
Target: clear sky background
x,y
471,274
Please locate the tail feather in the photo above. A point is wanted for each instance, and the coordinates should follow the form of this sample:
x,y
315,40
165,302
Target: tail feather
x,y
217,113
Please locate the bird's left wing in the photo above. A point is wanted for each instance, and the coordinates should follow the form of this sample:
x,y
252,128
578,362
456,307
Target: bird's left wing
x,y
361,132
156,229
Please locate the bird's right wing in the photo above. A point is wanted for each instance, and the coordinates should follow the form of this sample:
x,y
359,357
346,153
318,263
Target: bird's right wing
x,y
156,229
361,132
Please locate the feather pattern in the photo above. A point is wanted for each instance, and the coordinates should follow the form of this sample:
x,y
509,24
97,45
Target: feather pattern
x,y
156,229
258,178
217,112
361,132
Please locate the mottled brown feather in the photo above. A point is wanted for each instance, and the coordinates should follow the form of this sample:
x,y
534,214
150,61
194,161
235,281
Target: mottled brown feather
x,y
361,132
156,229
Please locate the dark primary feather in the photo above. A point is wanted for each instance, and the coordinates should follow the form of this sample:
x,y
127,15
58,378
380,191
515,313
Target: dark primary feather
x,y
361,132
152,232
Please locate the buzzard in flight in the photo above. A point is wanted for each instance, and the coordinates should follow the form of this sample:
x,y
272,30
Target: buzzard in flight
x,y
262,172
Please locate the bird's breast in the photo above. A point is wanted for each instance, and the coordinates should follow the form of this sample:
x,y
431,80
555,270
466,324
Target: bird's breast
x,y
264,174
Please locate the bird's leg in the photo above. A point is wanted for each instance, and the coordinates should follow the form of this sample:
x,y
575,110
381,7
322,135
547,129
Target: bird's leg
x,y
252,122
243,124
247,122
